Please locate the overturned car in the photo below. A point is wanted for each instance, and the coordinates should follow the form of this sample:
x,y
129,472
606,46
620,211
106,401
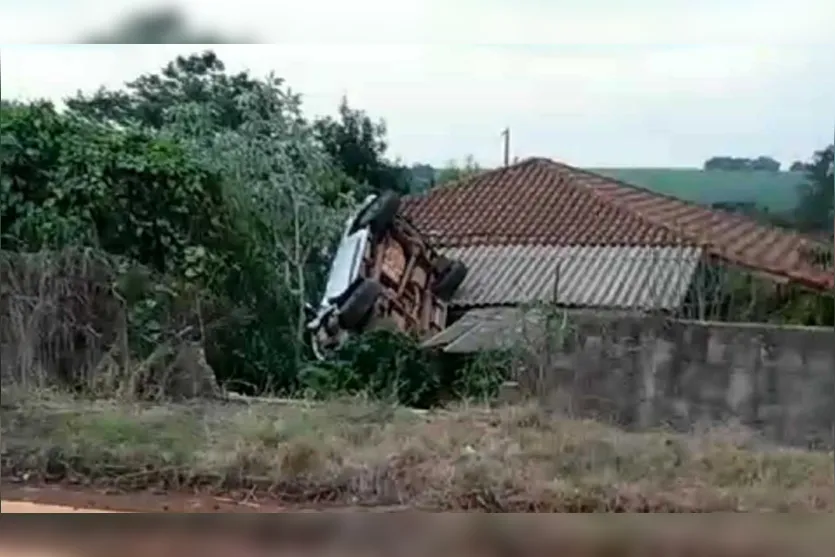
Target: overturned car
x,y
383,274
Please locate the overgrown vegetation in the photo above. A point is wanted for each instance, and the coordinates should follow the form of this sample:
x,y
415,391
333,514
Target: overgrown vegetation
x,y
193,207
515,459
725,294
160,242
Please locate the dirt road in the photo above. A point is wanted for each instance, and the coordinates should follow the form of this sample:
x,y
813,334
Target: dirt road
x,y
569,537
64,499
30,508
16,550
61,499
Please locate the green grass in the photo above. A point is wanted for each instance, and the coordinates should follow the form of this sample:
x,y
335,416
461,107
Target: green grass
x,y
775,191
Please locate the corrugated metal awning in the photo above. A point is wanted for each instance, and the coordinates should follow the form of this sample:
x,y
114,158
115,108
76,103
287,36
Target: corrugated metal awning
x,y
497,328
599,277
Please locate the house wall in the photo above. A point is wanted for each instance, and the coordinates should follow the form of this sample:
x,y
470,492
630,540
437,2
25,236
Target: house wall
x,y
777,380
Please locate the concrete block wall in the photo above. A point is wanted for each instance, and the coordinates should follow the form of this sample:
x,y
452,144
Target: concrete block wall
x,y
777,380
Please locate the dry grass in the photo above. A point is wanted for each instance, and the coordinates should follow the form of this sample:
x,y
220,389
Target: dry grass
x,y
61,320
517,459
65,320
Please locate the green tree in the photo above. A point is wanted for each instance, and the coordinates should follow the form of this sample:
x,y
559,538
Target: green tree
x,y
198,78
241,204
815,212
454,171
424,177
358,145
355,141
67,180
219,184
285,191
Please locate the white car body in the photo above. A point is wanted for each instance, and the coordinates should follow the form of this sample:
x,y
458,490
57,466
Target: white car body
x,y
344,271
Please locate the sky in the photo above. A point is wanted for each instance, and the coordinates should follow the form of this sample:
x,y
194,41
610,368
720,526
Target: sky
x,y
593,83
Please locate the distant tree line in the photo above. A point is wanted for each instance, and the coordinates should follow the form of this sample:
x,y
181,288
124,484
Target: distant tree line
x,y
742,163
424,177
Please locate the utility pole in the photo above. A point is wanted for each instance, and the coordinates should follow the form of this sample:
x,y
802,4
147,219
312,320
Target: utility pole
x,y
506,137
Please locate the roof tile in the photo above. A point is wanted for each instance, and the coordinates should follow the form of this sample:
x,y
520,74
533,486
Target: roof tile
x,y
539,201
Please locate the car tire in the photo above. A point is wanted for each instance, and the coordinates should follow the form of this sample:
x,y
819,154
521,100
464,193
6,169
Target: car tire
x,y
354,312
380,215
440,265
451,274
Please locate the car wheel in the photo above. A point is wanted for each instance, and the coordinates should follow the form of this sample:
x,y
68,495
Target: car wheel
x,y
450,278
380,215
355,310
440,265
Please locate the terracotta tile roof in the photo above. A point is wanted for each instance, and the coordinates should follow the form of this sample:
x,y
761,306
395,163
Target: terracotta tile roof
x,y
539,201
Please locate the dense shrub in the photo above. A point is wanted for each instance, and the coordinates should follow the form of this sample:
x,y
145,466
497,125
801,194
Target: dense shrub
x,y
233,222
147,197
70,181
389,365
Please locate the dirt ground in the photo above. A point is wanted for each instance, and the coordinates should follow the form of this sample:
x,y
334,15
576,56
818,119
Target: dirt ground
x,y
43,499
95,501
459,534
15,507
54,540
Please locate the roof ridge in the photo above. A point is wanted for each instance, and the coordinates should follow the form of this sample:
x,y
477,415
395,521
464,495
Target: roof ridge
x,y
619,207
595,195
678,233
681,234
459,182
548,166
554,203
666,225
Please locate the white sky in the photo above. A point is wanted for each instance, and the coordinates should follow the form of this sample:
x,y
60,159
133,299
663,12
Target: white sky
x,y
594,83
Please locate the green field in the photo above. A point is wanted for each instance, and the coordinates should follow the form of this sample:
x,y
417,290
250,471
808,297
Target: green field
x,y
776,191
